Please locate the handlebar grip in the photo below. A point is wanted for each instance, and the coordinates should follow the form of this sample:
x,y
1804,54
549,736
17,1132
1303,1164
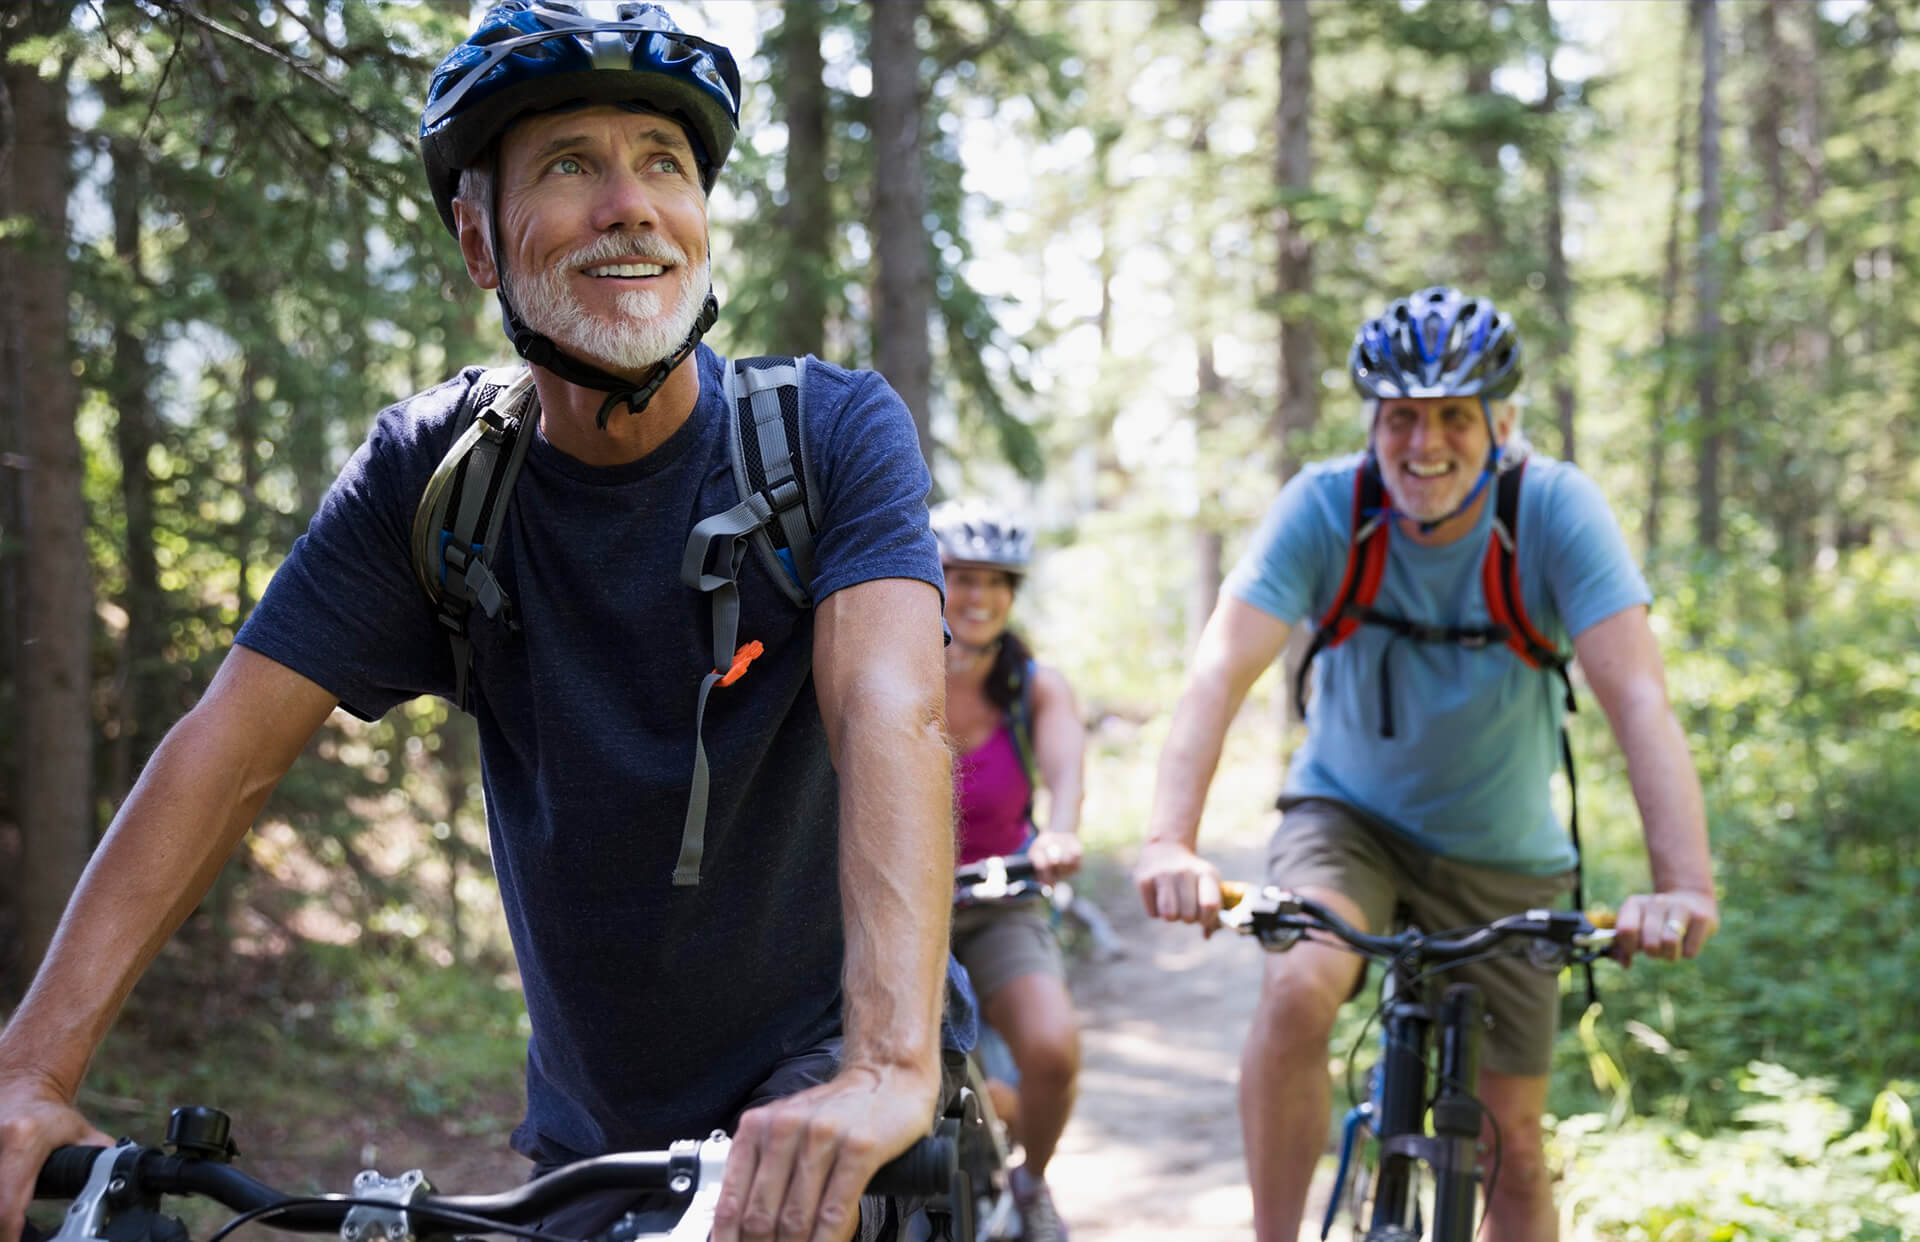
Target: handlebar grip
x,y
926,1168
1602,920
1232,893
64,1175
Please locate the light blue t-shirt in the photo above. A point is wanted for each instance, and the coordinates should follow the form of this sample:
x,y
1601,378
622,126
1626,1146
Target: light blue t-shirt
x,y
1476,731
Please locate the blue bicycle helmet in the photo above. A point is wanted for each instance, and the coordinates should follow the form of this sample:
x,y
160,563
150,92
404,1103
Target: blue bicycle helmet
x,y
1437,343
534,55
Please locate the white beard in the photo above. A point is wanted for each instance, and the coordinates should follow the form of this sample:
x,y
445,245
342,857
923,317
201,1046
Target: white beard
x,y
642,332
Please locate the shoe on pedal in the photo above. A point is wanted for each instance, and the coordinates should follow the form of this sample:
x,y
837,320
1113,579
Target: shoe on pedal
x,y
1039,1221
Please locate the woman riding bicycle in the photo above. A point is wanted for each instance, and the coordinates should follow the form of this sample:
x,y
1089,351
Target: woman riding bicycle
x,y
1015,726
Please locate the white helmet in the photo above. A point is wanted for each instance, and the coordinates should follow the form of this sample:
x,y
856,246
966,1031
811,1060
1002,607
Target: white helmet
x,y
974,532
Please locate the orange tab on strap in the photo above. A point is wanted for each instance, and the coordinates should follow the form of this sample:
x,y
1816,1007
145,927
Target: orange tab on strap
x,y
741,658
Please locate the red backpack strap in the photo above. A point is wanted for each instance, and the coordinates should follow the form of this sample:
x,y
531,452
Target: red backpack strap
x,y
1360,583
1500,582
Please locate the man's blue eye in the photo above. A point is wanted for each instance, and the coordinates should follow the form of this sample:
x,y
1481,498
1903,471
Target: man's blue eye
x,y
567,164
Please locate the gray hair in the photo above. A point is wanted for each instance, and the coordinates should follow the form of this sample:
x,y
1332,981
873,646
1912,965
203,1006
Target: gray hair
x,y
476,191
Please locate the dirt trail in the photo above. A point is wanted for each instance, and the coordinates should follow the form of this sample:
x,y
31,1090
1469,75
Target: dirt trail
x,y
1153,1149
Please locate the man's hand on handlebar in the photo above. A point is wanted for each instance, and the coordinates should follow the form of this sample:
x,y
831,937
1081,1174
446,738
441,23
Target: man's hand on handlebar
x,y
1668,925
1054,855
1178,885
34,1119
799,1164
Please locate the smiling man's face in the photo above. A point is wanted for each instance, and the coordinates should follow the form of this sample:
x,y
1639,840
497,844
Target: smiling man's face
x,y
603,222
1431,451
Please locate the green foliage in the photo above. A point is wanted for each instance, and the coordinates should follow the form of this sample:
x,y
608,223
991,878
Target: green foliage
x,y
975,56
1795,1167
313,1034
1803,738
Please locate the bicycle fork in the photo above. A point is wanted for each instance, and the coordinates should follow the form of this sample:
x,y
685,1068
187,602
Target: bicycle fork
x,y
1358,1117
1398,1113
1456,1112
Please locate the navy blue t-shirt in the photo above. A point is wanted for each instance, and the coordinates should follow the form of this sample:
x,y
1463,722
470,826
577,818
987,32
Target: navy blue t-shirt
x,y
656,1010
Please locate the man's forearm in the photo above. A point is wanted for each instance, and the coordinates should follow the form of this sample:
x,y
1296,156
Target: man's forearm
x,y
1667,791
1188,759
896,885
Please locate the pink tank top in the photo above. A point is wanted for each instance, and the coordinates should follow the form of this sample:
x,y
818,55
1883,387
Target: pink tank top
x,y
991,790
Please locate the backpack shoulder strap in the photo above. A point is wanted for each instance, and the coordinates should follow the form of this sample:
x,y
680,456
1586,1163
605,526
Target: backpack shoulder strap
x,y
766,446
1020,724
456,526
1506,607
1360,582
1500,581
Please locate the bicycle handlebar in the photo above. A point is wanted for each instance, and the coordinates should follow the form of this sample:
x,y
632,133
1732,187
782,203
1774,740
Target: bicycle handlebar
x,y
1279,918
997,878
138,1173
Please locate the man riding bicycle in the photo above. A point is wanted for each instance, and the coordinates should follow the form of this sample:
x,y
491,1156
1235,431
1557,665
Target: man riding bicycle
x,y
1443,591
758,946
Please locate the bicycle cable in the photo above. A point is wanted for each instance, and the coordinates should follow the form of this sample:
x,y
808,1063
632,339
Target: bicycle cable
x,y
447,1215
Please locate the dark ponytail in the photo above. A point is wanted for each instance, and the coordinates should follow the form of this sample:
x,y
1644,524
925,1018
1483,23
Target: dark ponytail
x,y
1008,671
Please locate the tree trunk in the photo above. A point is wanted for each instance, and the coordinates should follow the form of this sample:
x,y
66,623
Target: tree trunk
x,y
56,626
1707,307
1774,358
1299,405
140,710
903,297
1207,543
458,757
1477,248
1559,283
806,219
1663,387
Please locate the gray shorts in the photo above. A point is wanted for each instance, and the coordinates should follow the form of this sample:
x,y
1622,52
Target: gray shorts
x,y
999,942
1325,844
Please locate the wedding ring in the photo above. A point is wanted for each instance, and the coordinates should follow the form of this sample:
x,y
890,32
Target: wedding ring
x,y
1677,926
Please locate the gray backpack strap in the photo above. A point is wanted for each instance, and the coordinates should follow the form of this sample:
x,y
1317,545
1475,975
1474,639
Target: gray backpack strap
x,y
760,390
773,497
456,527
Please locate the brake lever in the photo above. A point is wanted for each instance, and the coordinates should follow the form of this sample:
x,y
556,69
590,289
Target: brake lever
x,y
696,1223
87,1214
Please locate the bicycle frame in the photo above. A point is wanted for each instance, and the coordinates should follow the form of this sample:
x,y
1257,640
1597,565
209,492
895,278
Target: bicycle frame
x,y
985,1153
1412,1130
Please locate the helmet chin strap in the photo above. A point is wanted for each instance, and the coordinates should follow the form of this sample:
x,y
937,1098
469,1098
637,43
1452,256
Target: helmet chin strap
x,y
543,352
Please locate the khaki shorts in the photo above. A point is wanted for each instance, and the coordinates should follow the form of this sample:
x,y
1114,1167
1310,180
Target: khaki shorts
x,y
999,942
1324,844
